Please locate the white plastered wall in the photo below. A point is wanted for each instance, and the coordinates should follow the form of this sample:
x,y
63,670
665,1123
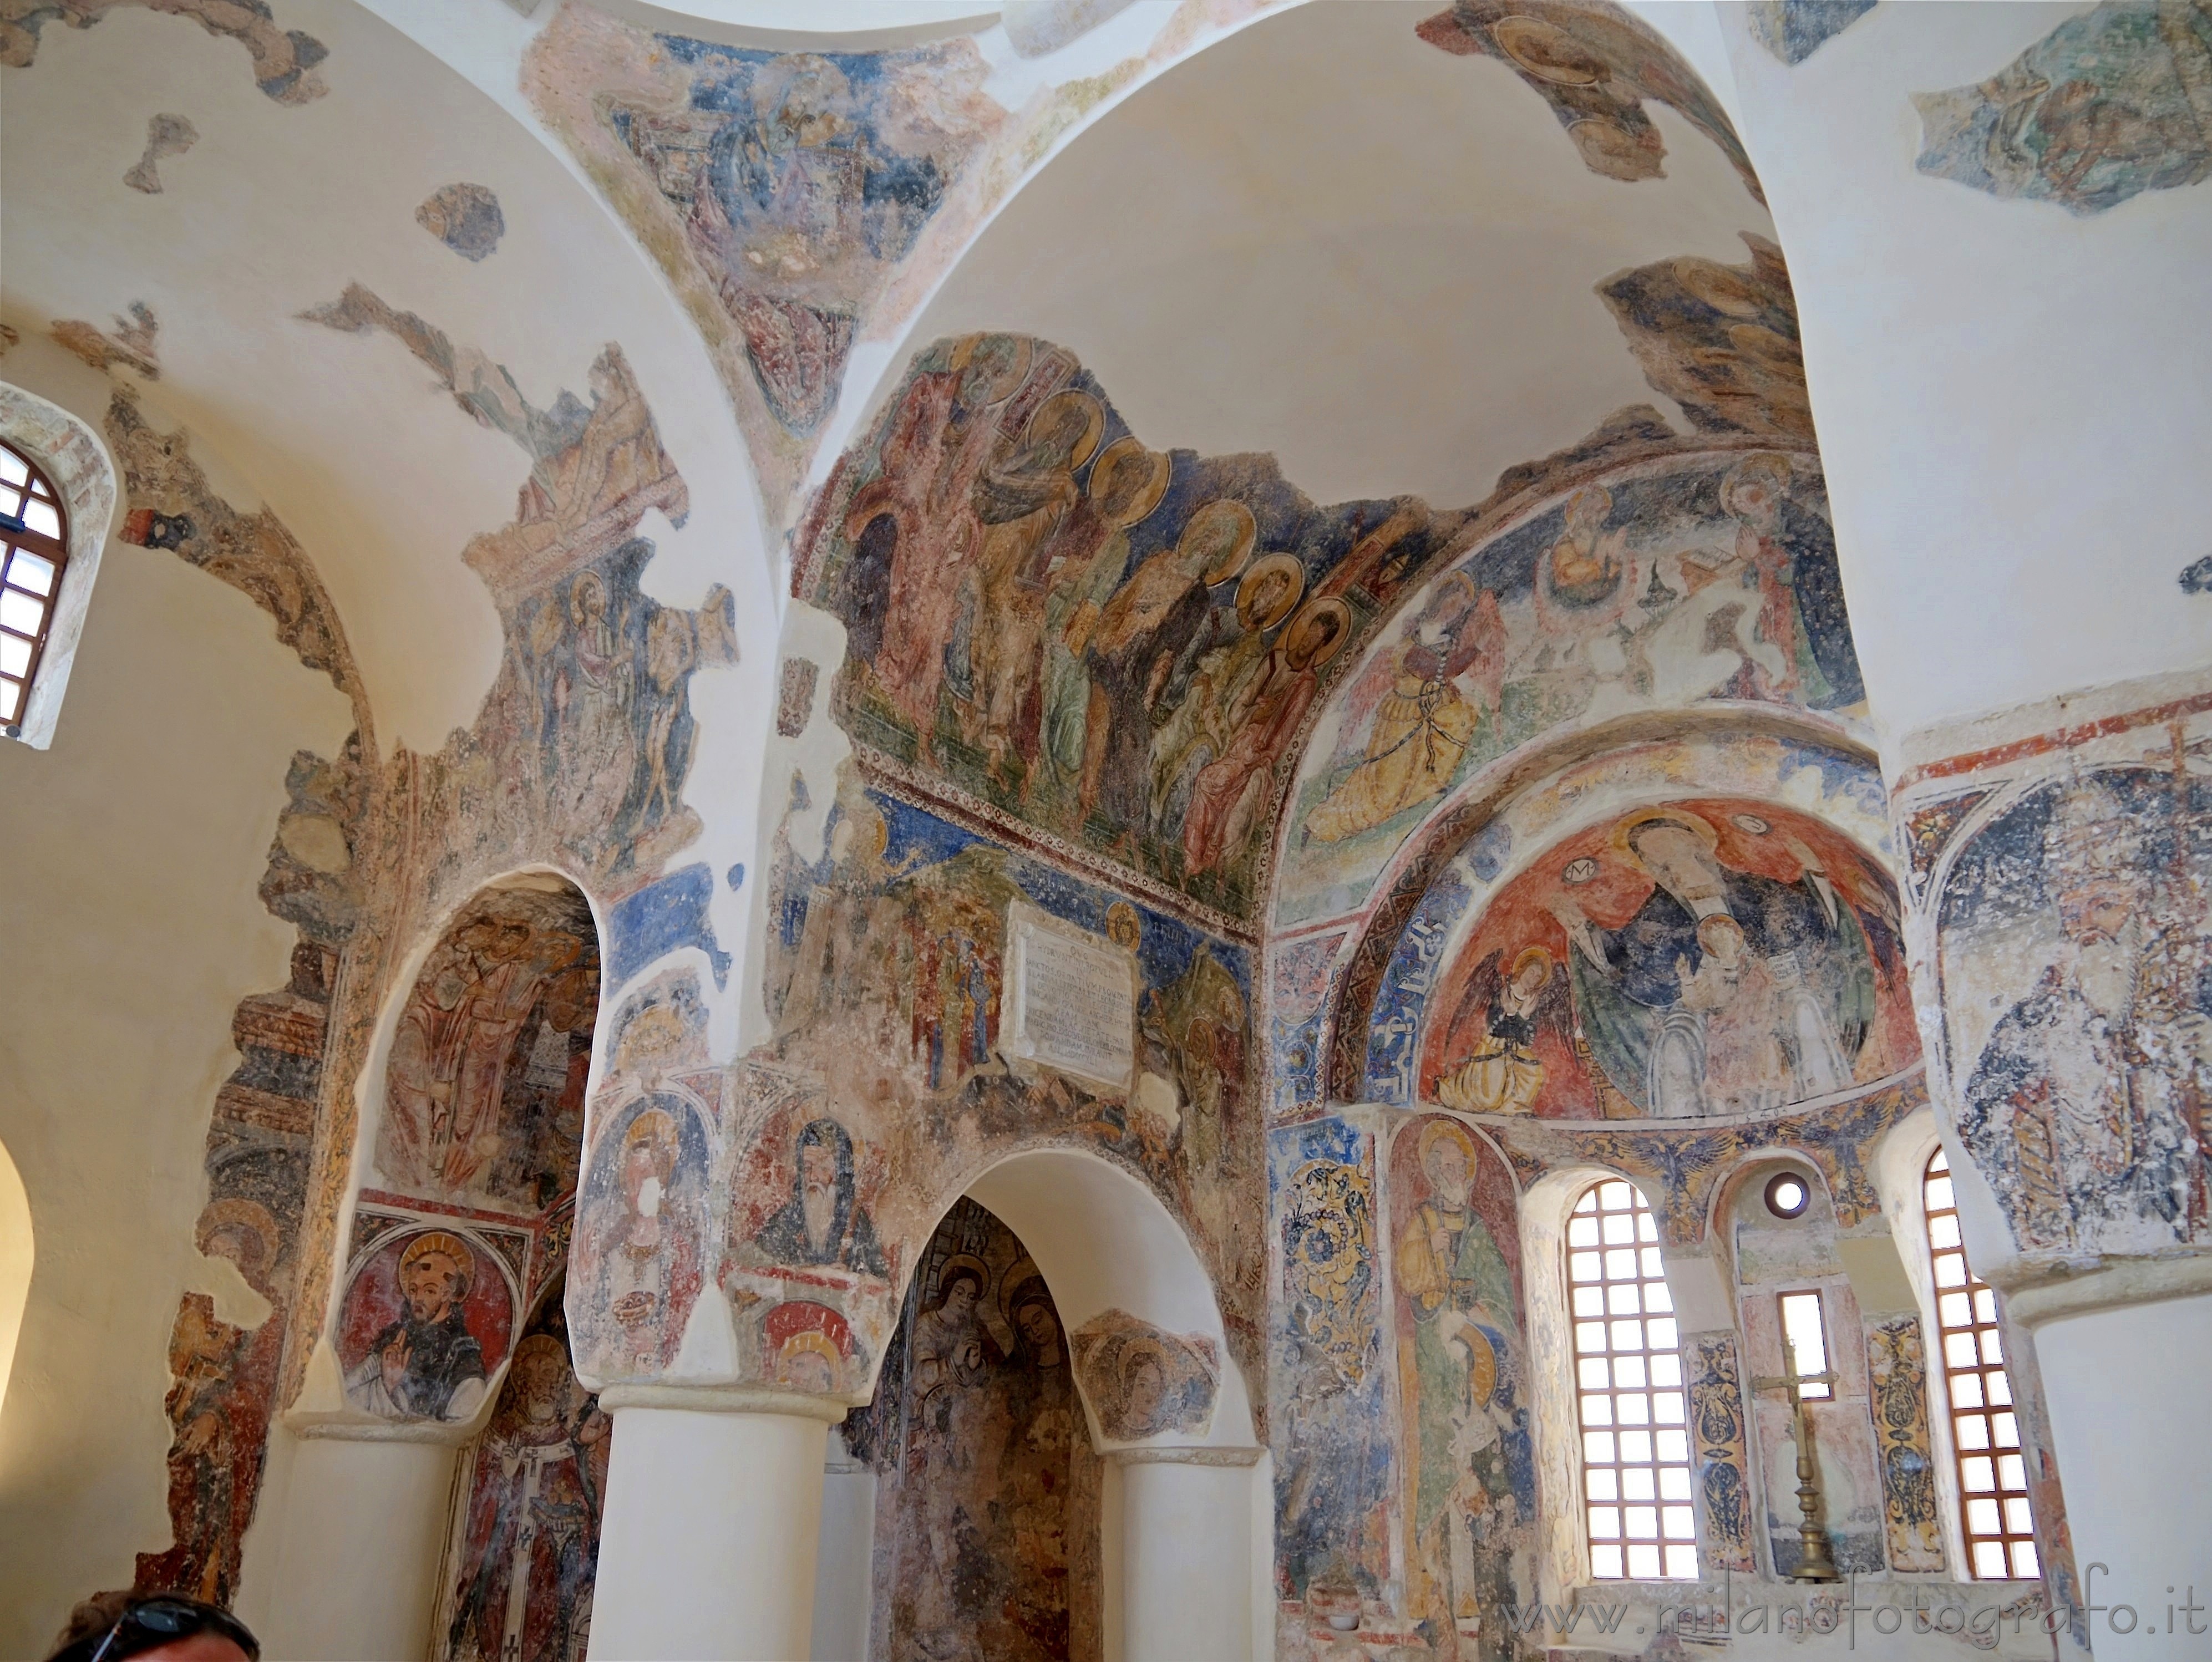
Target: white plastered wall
x,y
133,848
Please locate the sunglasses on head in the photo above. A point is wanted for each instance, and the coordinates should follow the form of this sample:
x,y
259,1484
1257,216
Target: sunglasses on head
x,y
156,1621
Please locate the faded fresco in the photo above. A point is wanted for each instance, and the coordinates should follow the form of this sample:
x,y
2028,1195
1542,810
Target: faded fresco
x,y
1721,1459
1896,1376
1793,30
427,1316
1671,584
467,218
2110,103
134,343
1300,973
885,983
167,135
645,1244
987,1511
525,1537
1595,64
1114,647
1721,341
1141,1381
284,60
1701,960
2076,959
1327,1376
484,1080
1467,1465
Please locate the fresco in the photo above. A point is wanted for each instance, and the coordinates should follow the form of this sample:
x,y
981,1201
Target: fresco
x,y
1793,30
1897,1375
1300,979
484,1081
1595,64
467,218
794,700
1141,1381
428,1316
2110,103
1668,584
284,60
884,979
1114,647
987,1511
1467,1469
525,1537
1329,1409
1721,341
1722,1462
166,135
133,344
645,1243
2076,966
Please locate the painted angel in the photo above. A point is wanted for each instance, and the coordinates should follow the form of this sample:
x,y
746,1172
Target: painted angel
x,y
1531,1002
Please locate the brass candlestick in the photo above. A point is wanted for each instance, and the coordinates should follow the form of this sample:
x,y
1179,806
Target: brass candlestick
x,y
1816,1562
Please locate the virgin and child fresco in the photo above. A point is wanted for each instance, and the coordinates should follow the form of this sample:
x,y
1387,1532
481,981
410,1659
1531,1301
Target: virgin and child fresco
x,y
986,1517
1703,579
485,1081
1469,1464
524,1545
1114,645
1701,959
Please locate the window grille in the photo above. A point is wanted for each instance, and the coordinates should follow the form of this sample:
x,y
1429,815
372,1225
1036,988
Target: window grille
x,y
1628,1367
2000,1527
33,549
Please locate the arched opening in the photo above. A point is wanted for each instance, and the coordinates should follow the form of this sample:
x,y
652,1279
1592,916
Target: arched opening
x,y
17,1253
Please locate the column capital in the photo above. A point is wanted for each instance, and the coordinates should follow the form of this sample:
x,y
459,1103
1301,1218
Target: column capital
x,y
723,1399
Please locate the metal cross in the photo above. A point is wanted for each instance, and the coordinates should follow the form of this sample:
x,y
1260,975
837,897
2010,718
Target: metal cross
x,y
1816,1563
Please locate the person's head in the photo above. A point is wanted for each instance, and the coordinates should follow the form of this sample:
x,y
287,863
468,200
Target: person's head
x,y
1587,510
963,1291
1753,488
434,1273
1039,1325
1531,970
111,1627
649,1154
1678,858
825,1152
1721,937
1448,1157
541,1378
1143,1388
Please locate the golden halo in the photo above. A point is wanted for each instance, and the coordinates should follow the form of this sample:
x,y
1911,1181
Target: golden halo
x,y
1481,1364
1547,52
220,1217
1120,457
1054,410
1248,590
1629,824
1022,1271
1301,656
437,1241
1446,1130
1225,524
1529,956
964,1261
1005,382
1759,464
1123,927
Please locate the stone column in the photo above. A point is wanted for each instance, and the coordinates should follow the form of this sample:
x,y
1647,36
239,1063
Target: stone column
x,y
2060,864
1187,1560
714,1515
343,1560
844,1572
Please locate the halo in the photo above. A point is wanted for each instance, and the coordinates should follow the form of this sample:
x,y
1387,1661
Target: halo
x,y
1760,463
1528,955
1123,927
1547,52
1629,824
1587,493
1481,1363
1123,453
536,1344
1094,422
1444,1131
1249,589
1142,1347
1227,523
1327,606
1019,1274
654,1125
438,1241
1009,379
964,1261
220,1217
1453,596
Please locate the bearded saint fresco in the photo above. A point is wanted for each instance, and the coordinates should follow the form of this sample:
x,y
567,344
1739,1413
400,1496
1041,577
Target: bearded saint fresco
x,y
1471,1471
1684,962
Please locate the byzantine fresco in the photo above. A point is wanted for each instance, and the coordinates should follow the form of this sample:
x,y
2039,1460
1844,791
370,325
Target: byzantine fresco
x,y
1328,1377
1595,64
1720,1456
524,1543
1721,341
645,1244
988,1503
284,60
484,1080
2075,972
885,1072
167,135
1698,580
1141,1381
1072,635
1793,30
1467,1464
427,1316
467,218
1896,1376
2110,103
1705,959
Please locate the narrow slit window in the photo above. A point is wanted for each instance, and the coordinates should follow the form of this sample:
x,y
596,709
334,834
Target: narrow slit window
x,y
34,547
1809,1340
1628,1368
1993,1499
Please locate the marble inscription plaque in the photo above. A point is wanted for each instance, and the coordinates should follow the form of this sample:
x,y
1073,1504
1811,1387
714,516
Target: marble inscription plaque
x,y
1071,999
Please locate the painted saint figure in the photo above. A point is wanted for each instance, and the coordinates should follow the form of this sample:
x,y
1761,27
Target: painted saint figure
x,y
426,1365
823,1222
1506,1072
649,1268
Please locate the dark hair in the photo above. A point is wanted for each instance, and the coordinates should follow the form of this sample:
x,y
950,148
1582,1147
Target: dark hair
x,y
117,1625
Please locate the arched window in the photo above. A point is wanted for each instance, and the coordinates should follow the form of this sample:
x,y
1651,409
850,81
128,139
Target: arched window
x,y
1999,1529
1628,1369
34,547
